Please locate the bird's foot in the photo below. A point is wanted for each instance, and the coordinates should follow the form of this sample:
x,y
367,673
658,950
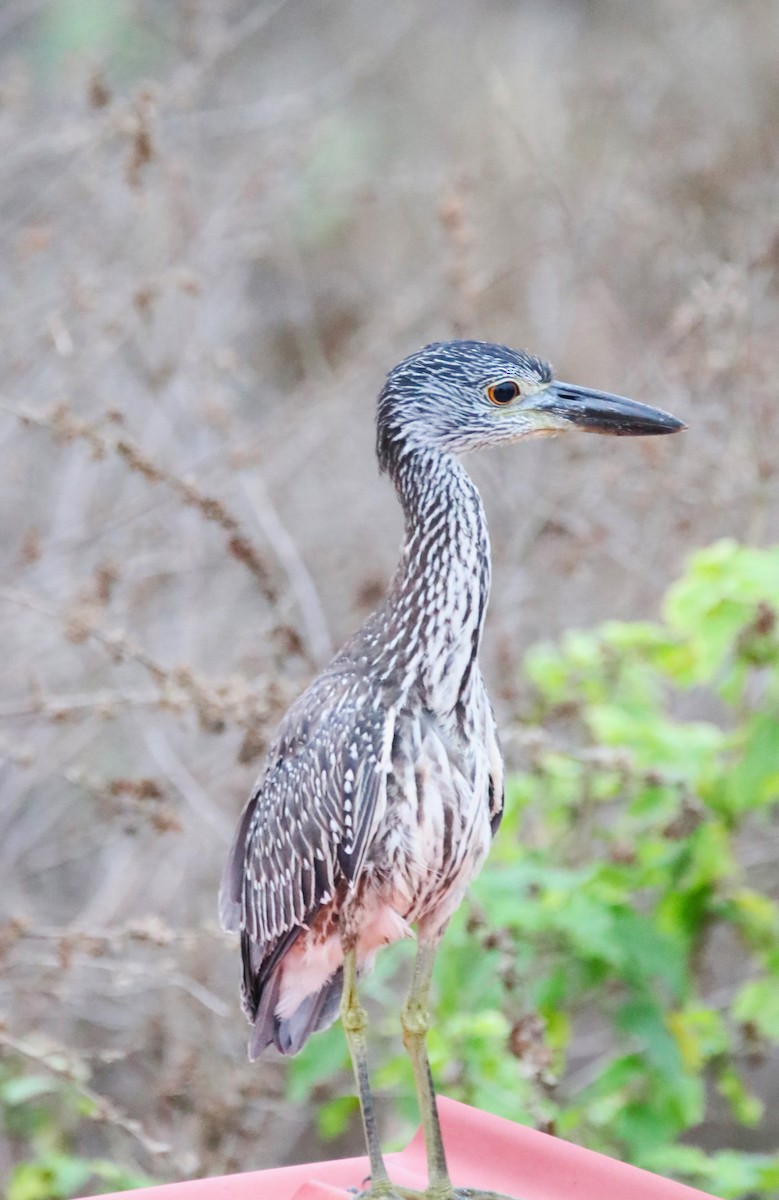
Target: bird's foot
x,y
478,1194
386,1190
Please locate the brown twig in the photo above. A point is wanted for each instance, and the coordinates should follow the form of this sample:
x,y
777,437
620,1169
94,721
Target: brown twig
x,y
63,425
216,702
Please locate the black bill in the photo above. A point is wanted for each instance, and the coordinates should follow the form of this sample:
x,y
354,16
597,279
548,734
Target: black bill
x,y
601,412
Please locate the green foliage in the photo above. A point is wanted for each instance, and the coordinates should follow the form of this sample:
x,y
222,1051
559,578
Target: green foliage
x,y
615,874
38,1113
87,29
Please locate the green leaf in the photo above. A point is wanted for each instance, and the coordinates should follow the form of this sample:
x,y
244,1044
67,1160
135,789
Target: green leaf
x,y
643,1019
746,1108
643,1128
756,915
321,1060
757,1004
648,953
334,1117
54,1178
60,1176
752,781
620,1074
700,1034
23,1088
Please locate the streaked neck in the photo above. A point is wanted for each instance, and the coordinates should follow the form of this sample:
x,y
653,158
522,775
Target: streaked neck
x,y
435,608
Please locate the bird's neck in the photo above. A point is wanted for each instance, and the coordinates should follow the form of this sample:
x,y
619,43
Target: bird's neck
x,y
435,608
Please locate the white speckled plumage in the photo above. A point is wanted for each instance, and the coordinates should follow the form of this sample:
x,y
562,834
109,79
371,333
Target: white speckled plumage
x,y
384,785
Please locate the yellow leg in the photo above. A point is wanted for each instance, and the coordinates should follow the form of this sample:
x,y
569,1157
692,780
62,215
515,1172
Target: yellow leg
x,y
415,1022
354,1020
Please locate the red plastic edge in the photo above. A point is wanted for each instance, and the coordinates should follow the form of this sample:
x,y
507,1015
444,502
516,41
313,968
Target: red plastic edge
x,y
483,1152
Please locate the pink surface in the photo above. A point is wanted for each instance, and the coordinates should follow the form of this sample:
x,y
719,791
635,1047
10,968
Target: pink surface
x,y
483,1152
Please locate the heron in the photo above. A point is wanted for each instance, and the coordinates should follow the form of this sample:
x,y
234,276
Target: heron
x,y
383,787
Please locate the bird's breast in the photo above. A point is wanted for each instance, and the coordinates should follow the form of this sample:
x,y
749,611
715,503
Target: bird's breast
x,y
435,832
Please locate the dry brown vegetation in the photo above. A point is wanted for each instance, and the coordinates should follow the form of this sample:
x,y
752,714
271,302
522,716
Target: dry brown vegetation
x,y
221,224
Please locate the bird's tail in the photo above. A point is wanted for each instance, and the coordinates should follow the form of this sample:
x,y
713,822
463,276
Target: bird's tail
x,y
290,1034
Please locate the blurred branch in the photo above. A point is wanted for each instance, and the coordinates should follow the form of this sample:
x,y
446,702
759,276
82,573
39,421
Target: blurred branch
x,y
57,708
230,39
215,701
293,108
64,426
151,930
17,13
58,949
57,1061
303,586
185,783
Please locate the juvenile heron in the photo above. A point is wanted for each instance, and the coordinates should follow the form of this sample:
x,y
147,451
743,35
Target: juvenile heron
x,y
384,786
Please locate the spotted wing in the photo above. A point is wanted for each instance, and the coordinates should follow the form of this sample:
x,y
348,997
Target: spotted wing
x,y
309,822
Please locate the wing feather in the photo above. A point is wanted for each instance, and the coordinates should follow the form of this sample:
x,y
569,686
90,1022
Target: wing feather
x,y
309,821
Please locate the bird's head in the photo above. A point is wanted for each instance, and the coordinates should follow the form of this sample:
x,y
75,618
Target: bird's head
x,y
460,396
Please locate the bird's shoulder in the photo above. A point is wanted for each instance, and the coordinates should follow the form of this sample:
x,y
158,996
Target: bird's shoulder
x,y
340,699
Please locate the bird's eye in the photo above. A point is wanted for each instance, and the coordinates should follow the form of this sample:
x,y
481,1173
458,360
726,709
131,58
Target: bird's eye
x,y
504,392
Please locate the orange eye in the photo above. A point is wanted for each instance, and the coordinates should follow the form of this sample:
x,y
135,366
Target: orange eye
x,y
503,393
